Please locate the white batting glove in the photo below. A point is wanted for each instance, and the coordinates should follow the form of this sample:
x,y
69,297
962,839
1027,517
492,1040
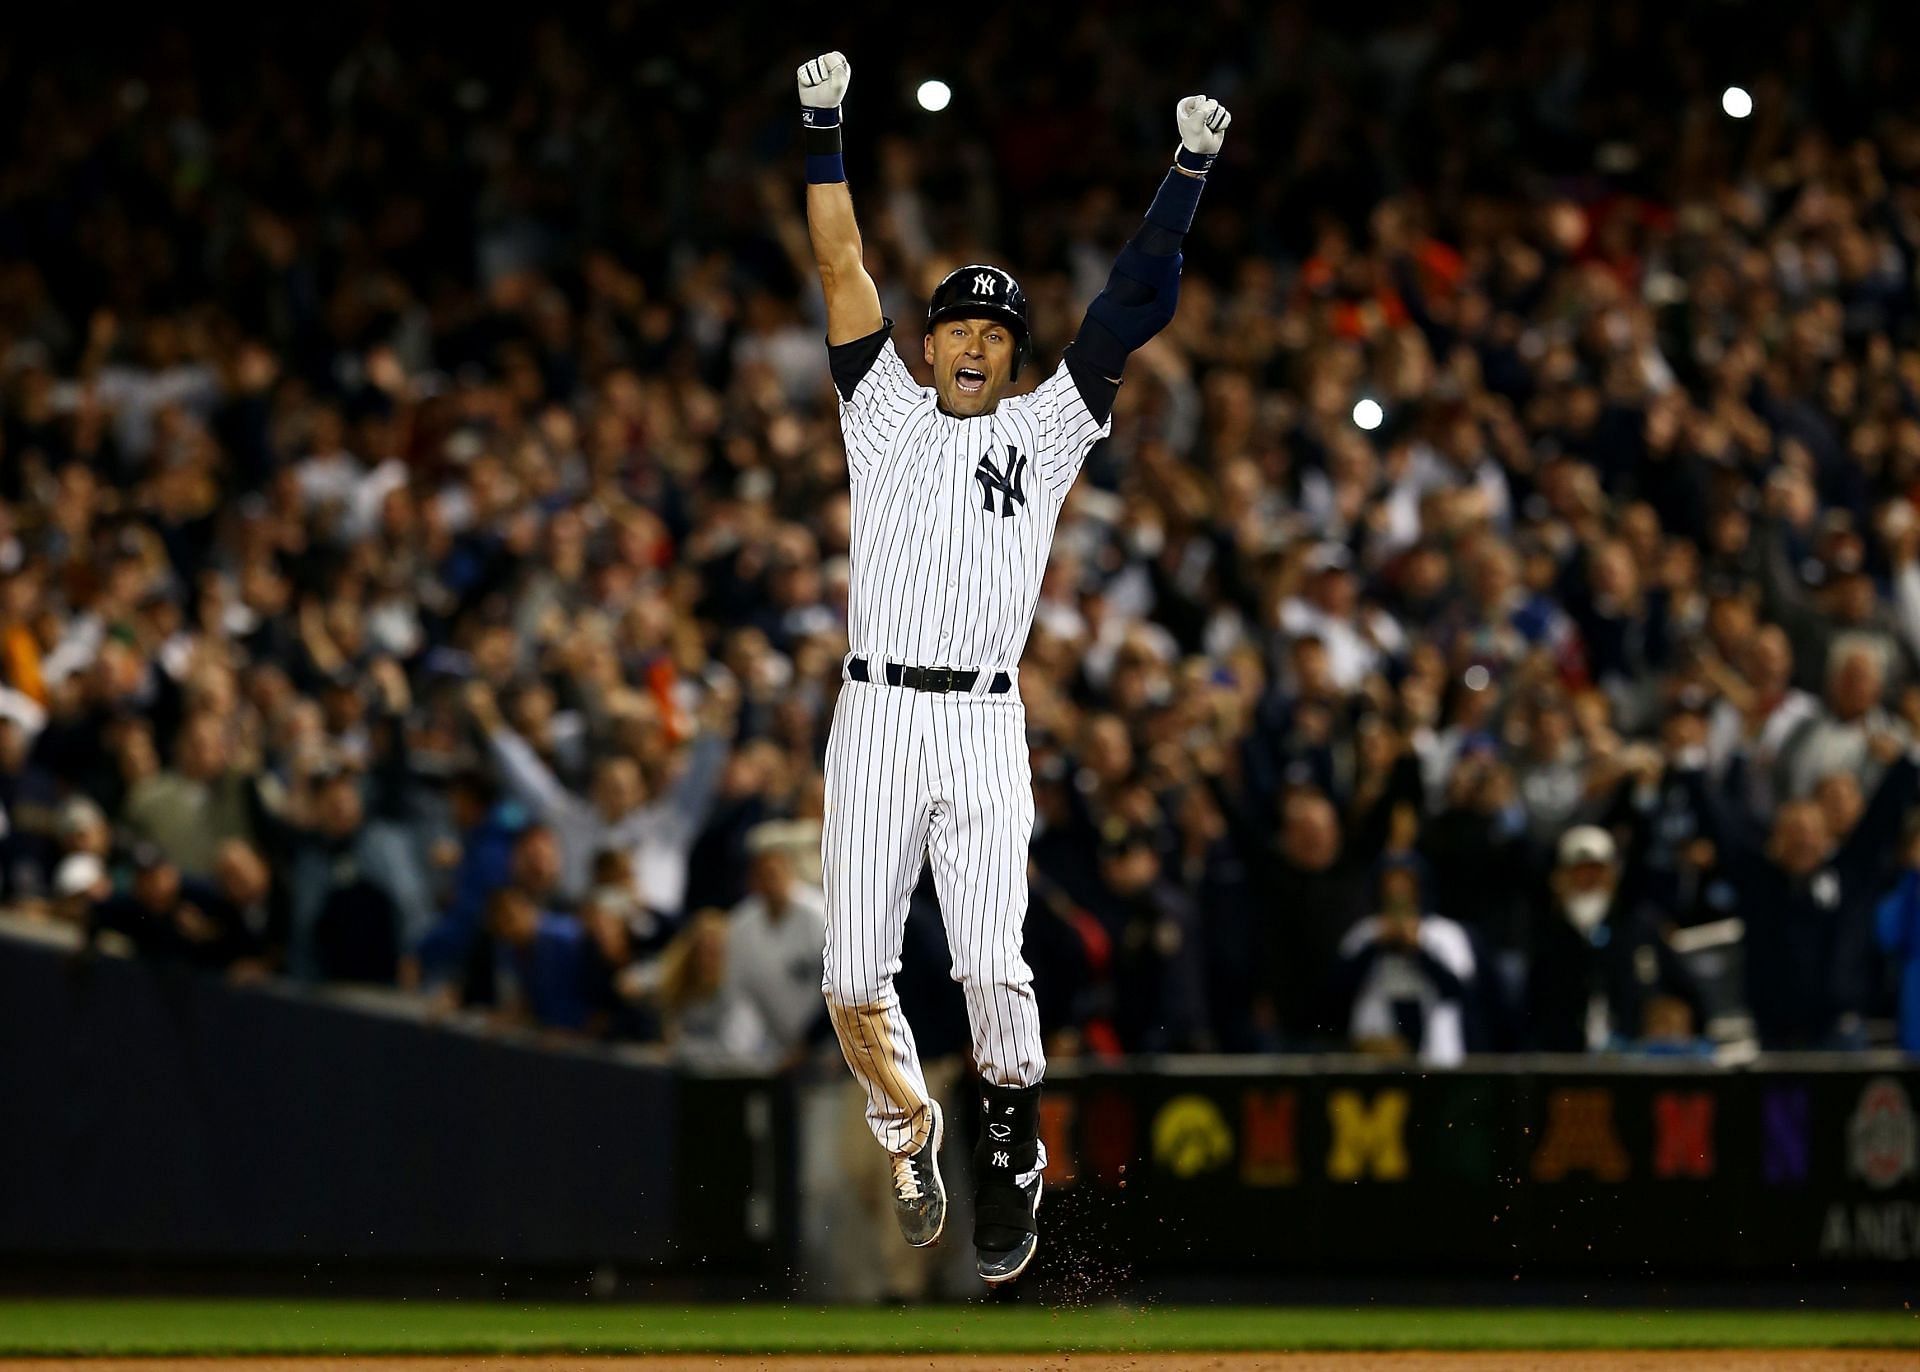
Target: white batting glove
x,y
1203,124
823,81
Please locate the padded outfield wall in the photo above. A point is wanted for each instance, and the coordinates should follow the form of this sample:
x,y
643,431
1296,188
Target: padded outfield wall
x,y
156,1116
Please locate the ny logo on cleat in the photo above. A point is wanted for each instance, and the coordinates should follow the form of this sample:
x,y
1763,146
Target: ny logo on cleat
x,y
1002,1160
1010,483
983,283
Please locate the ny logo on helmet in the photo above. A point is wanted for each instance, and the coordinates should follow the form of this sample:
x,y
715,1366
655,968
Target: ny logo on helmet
x,y
1010,482
984,283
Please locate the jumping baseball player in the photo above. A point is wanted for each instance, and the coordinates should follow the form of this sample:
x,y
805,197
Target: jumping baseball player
x,y
955,494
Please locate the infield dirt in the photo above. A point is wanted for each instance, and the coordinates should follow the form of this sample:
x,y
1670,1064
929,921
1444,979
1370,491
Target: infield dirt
x,y
1673,1360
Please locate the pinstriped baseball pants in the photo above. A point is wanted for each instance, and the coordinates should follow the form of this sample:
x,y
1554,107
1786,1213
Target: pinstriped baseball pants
x,y
913,777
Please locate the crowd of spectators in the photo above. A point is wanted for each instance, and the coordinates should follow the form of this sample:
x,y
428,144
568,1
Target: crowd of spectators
x,y
423,525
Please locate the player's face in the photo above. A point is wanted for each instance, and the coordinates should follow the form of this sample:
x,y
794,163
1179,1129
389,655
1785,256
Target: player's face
x,y
972,360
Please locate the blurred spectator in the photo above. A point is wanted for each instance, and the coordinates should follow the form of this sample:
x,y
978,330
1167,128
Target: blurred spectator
x,y
1761,710
1407,976
1850,717
1897,927
236,902
1159,974
1806,886
86,842
485,828
628,938
616,813
203,800
344,922
1597,961
776,947
1315,880
1478,855
546,961
157,918
1357,640
710,1017
29,811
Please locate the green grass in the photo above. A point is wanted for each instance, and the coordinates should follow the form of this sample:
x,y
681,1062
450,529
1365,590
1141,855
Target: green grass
x,y
73,1327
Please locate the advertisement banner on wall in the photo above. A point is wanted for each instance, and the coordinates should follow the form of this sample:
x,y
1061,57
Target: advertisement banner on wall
x,y
1671,1171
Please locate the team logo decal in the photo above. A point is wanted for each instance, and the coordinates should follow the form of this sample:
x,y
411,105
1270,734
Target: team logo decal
x,y
1881,1136
1010,482
984,283
1191,1136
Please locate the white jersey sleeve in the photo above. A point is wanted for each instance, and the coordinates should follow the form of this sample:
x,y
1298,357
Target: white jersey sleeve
x,y
876,391
1067,429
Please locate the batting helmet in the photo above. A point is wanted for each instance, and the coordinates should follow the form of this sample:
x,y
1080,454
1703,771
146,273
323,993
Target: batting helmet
x,y
980,292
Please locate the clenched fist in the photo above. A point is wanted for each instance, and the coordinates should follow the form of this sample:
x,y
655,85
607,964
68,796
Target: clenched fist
x,y
1203,124
823,81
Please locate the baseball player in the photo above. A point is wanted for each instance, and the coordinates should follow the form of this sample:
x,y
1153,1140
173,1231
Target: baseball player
x,y
955,494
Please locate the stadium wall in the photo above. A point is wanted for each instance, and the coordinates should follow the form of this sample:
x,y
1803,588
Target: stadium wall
x,y
155,1116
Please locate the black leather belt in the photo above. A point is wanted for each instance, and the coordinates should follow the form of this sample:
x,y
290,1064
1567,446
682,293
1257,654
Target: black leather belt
x,y
938,680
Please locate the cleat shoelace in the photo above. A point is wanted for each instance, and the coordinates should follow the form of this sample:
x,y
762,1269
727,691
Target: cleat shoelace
x,y
906,1180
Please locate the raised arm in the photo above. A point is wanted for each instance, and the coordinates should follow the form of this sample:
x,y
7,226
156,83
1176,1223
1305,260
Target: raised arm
x,y
853,302
530,780
1140,295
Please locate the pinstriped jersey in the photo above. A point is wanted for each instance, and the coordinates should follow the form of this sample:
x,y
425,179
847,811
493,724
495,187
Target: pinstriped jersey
x,y
953,518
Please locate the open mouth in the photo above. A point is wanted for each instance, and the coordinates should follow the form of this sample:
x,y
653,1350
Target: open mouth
x,y
969,381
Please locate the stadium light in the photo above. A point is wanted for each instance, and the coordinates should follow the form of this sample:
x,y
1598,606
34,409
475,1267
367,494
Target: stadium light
x,y
934,96
1368,414
1736,102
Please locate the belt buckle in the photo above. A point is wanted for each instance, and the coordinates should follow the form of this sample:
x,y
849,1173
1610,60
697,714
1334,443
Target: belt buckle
x,y
938,680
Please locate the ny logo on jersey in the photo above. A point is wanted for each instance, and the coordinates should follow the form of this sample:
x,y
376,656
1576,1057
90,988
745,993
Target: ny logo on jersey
x,y
1010,482
984,283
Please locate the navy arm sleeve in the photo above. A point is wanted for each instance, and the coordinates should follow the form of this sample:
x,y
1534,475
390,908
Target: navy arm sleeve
x,y
1139,298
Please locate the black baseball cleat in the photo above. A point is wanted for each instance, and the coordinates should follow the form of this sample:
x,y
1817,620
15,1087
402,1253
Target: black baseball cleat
x,y
1003,1249
919,1195
1007,1167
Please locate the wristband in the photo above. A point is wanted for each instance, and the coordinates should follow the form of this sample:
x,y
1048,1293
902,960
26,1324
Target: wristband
x,y
820,136
1194,163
